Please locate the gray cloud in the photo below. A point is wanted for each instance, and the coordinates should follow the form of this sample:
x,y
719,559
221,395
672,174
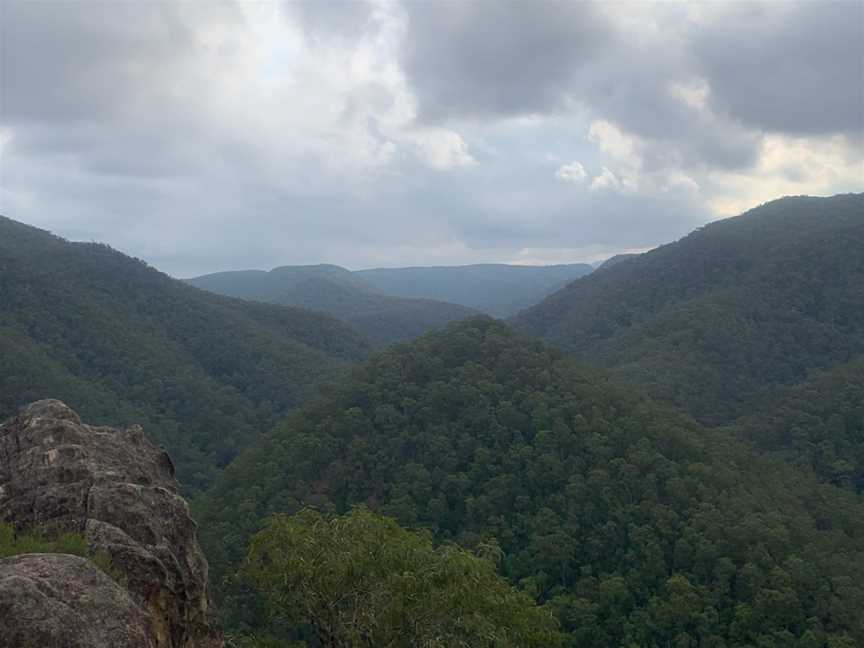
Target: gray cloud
x,y
207,136
797,68
484,59
116,89
64,62
794,68
487,58
325,21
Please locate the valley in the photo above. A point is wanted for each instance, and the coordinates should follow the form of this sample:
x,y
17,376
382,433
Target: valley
x,y
666,449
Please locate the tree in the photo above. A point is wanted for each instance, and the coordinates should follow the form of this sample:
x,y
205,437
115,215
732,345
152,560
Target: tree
x,y
362,580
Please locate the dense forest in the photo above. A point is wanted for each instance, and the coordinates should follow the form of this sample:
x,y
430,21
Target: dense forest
x,y
496,289
722,321
818,425
123,343
629,521
695,482
336,291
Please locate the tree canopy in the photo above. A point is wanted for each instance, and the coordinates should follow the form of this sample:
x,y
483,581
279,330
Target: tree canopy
x,y
818,425
360,580
636,525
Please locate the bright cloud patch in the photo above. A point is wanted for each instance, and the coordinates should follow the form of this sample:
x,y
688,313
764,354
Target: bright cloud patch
x,y
443,149
606,180
573,172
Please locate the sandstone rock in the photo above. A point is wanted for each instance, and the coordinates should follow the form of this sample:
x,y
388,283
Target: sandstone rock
x,y
118,490
63,601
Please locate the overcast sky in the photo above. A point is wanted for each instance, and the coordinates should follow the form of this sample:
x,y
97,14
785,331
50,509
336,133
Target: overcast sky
x,y
204,136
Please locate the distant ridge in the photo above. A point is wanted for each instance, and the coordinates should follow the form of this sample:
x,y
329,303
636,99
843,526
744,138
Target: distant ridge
x,y
336,291
496,289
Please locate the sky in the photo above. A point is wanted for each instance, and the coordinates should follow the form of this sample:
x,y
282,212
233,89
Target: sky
x,y
203,136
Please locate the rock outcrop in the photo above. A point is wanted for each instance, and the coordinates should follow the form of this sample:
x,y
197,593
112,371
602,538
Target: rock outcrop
x,y
63,601
117,489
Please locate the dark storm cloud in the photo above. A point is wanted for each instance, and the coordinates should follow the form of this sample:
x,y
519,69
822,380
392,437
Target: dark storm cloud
x,y
797,68
488,58
794,68
479,60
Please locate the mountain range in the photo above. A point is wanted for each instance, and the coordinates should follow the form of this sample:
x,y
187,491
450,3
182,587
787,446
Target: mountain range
x,y
496,289
333,290
664,452
394,304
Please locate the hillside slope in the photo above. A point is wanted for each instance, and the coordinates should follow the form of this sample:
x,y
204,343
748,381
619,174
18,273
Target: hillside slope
x,y
496,289
615,260
338,292
122,342
634,524
719,321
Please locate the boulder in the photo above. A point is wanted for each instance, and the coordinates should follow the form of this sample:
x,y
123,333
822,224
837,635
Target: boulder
x,y
63,601
118,489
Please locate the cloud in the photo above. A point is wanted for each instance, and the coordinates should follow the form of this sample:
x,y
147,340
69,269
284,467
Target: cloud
x,y
444,149
328,21
573,172
207,136
485,58
93,64
793,68
703,82
606,180
790,166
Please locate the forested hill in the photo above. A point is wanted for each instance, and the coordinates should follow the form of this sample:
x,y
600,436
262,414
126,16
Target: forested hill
x,y
120,341
338,292
719,320
496,289
632,523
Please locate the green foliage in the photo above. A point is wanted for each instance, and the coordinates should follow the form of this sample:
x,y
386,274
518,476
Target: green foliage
x,y
634,524
121,342
14,544
338,292
362,580
818,425
720,322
